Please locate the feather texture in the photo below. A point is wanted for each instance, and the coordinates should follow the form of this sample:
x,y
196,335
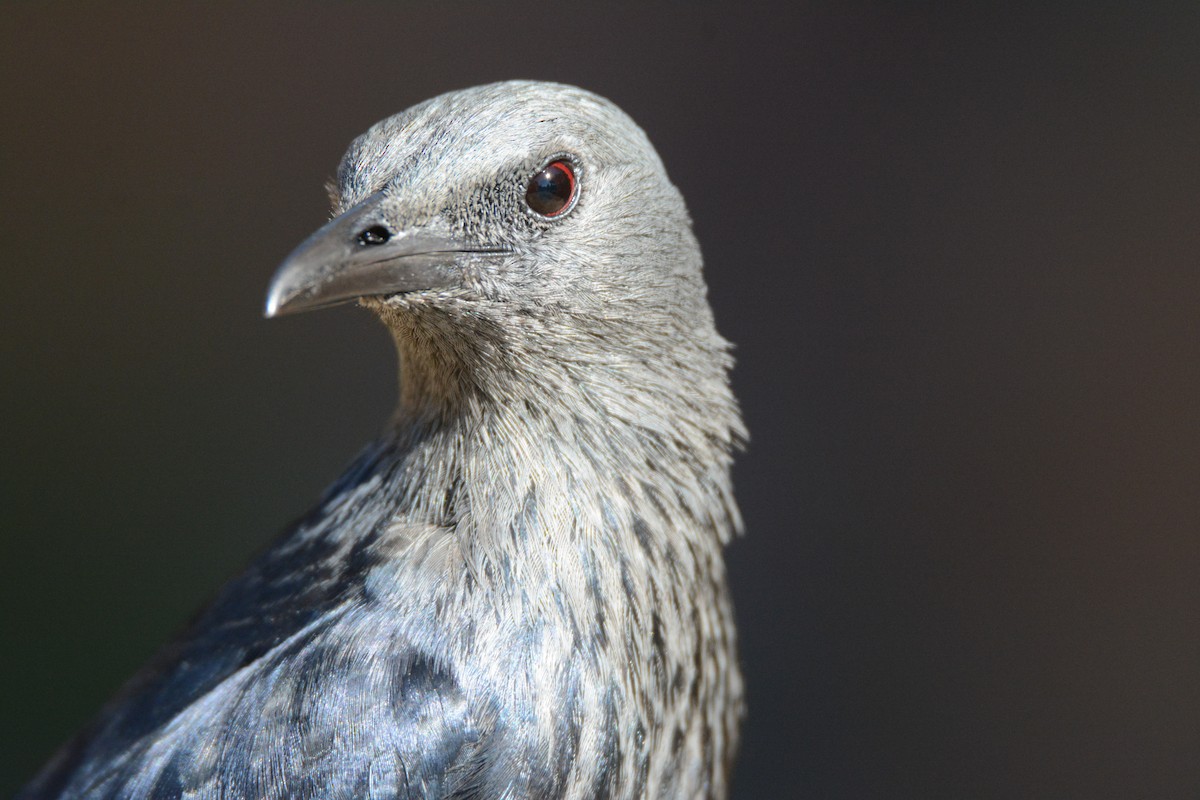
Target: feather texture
x,y
518,590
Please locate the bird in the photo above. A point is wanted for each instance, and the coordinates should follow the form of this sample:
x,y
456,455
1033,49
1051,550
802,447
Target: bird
x,y
518,589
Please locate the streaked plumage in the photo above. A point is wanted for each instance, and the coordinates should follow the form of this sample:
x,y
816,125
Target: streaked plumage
x,y
518,590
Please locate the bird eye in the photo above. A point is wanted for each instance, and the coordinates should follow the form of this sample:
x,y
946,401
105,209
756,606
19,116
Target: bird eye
x,y
552,190
376,234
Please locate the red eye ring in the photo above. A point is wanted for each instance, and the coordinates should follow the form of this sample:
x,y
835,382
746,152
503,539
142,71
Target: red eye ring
x,y
551,192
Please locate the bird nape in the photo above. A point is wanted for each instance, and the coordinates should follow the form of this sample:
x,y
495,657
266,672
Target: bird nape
x,y
518,590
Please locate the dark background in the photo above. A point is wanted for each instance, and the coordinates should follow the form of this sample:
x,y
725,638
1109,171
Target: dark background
x,y
958,252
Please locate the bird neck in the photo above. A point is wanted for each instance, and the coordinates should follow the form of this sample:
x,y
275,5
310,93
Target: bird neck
x,y
568,524
603,415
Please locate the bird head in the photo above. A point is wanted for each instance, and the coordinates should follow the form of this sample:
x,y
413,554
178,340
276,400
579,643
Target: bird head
x,y
521,222
524,196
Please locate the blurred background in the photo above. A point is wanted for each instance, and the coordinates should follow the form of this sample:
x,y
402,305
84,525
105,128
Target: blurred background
x,y
958,251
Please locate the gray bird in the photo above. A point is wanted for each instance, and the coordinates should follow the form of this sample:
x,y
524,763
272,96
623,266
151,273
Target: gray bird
x,y
518,590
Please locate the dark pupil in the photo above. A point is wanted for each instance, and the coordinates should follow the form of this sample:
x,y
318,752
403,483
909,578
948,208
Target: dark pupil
x,y
376,234
550,190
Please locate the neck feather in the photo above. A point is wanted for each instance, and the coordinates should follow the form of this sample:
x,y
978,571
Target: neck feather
x,y
613,418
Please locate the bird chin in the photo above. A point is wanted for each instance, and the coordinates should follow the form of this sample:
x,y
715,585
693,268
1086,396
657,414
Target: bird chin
x,y
402,303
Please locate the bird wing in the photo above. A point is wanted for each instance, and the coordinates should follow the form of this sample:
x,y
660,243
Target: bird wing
x,y
293,684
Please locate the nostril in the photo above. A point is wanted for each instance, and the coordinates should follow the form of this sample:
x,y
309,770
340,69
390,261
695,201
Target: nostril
x,y
376,234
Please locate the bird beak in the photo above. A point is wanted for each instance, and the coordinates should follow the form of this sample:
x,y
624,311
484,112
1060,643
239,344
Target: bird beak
x,y
340,262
